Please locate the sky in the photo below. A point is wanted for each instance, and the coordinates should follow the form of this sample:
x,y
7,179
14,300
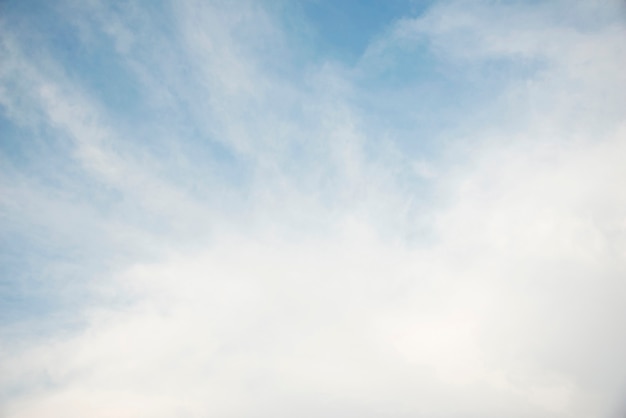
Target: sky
x,y
313,208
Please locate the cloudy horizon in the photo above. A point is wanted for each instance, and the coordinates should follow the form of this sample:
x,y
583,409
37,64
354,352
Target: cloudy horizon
x,y
312,208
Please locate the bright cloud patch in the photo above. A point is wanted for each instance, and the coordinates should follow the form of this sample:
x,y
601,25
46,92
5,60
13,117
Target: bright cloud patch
x,y
219,209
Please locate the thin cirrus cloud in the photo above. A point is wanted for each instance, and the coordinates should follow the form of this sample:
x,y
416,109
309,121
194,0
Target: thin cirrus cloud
x,y
231,209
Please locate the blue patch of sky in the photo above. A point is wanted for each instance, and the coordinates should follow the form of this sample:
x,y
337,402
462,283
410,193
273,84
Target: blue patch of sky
x,y
419,96
411,92
42,157
181,122
28,249
40,277
105,75
342,30
44,30
14,141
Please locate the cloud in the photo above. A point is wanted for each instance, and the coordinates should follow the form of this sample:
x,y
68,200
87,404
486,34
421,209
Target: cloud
x,y
252,236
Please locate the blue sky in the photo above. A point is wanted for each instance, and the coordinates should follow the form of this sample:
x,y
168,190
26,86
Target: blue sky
x,y
312,208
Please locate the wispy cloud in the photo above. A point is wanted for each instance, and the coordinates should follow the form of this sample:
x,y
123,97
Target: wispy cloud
x,y
200,217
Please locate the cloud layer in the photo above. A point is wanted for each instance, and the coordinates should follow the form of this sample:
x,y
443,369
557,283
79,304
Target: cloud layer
x,y
205,215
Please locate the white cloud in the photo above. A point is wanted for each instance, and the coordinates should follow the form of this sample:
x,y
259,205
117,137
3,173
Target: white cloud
x,y
340,290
